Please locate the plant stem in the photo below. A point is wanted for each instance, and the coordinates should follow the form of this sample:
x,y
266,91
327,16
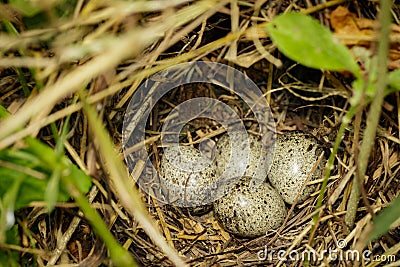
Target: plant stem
x,y
128,195
345,121
11,29
118,254
375,109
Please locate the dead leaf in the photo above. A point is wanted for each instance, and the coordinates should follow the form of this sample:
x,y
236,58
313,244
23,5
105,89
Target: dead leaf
x,y
346,23
354,31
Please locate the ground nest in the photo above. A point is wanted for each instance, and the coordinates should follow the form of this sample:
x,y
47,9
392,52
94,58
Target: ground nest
x,y
301,99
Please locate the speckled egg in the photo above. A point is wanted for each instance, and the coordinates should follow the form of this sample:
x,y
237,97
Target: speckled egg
x,y
295,156
187,177
250,212
257,164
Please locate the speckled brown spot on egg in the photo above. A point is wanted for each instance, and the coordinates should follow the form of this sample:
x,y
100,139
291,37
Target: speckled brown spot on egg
x,y
257,163
188,176
250,212
295,155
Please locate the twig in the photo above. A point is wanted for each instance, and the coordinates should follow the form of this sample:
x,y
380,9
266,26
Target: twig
x,y
62,243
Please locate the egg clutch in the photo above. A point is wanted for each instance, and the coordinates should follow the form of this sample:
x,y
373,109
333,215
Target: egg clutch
x,y
245,210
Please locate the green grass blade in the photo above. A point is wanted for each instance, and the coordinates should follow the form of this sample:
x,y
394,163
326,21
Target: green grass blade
x,y
385,219
3,112
124,186
118,254
394,80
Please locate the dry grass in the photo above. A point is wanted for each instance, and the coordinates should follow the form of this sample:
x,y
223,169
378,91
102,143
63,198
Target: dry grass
x,y
108,48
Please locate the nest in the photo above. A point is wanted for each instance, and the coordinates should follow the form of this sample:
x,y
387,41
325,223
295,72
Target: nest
x,y
302,99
